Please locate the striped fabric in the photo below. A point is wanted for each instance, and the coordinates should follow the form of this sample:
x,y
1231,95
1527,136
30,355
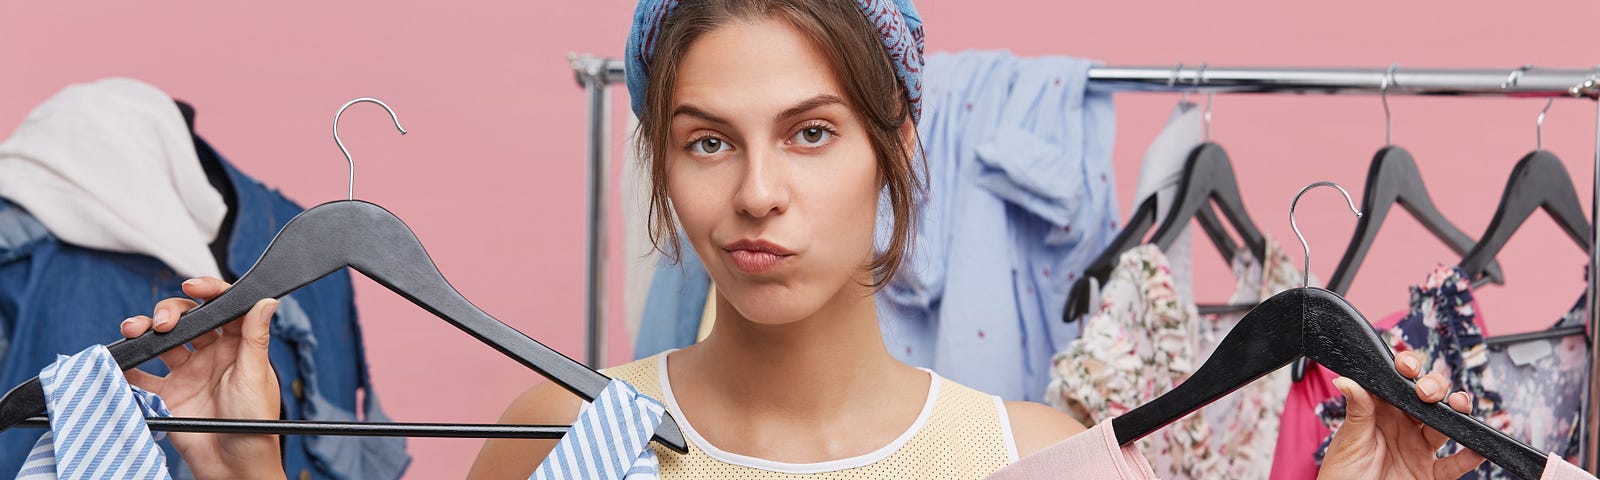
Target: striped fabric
x,y
610,440
97,427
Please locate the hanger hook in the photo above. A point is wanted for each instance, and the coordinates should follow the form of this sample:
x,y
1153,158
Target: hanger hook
x,y
1511,80
1538,127
1200,77
1383,93
1307,272
351,192
1172,81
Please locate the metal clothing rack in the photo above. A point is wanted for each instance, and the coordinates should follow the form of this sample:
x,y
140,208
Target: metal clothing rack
x,y
596,74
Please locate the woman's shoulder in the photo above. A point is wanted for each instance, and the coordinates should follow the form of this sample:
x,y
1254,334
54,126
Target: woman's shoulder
x,y
644,374
1031,426
1036,426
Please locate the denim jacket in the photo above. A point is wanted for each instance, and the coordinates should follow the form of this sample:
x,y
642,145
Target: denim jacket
x,y
57,298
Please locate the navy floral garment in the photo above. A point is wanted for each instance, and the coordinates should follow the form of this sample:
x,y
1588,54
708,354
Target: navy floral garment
x,y
1542,383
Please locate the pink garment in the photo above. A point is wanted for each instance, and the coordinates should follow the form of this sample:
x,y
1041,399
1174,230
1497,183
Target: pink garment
x,y
1559,469
1300,432
1091,454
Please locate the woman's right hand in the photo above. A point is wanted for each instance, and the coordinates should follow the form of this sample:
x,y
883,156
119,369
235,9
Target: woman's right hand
x,y
227,375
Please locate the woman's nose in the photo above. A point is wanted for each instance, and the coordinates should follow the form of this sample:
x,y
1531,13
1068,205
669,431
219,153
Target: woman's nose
x,y
763,190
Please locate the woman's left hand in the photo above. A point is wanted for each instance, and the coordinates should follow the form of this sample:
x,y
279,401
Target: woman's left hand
x,y
1378,440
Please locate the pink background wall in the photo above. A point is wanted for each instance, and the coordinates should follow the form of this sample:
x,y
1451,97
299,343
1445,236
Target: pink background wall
x,y
491,176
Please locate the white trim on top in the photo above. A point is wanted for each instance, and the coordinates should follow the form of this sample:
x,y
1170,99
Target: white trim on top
x,y
1005,428
796,468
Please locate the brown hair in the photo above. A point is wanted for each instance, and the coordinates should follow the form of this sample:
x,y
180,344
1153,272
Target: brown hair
x,y
873,92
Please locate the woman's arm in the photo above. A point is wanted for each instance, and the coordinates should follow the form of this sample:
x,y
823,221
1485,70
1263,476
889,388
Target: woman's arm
x,y
543,404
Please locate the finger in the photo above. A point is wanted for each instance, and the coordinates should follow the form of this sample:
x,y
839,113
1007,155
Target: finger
x,y
1408,364
1360,407
204,288
1462,402
1432,388
256,335
235,327
168,311
142,379
205,339
176,357
1457,464
135,326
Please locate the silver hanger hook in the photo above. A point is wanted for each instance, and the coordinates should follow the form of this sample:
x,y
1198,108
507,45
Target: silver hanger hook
x,y
1200,77
1511,80
1538,127
1383,93
1172,81
1307,272
351,193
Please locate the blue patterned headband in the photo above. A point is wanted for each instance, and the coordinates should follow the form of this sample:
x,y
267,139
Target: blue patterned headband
x,y
897,23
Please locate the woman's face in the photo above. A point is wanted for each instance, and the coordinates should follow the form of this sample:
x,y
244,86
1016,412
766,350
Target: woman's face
x,y
770,173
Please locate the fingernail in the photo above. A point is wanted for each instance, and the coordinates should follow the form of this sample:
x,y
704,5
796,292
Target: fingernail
x,y
127,321
1410,361
1429,386
272,306
191,282
163,317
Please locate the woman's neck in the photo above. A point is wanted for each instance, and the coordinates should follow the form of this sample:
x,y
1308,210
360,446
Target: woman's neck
x,y
812,368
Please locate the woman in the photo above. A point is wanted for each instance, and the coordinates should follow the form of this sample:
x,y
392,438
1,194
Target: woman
x,y
772,128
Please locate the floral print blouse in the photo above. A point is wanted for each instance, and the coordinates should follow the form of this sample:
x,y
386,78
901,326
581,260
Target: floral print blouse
x,y
1144,340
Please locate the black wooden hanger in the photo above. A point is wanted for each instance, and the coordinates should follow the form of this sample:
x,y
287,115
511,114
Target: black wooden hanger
x,y
1319,324
1132,235
1207,177
1539,181
1394,179
375,242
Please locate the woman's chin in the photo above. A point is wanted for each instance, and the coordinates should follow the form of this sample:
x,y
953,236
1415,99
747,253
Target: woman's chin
x,y
774,309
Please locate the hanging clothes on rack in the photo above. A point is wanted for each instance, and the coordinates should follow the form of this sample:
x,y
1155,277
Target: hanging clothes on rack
x,y
1442,326
1542,385
1145,339
57,296
1021,198
1160,175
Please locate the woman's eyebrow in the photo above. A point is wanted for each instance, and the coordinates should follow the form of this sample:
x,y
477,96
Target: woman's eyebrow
x,y
809,104
697,112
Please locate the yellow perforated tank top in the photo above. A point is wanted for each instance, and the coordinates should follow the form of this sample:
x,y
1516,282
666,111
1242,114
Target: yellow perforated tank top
x,y
961,434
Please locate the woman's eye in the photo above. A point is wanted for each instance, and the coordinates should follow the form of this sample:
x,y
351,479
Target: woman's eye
x,y
708,145
812,135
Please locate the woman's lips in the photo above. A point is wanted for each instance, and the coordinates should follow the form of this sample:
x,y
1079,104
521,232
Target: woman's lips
x,y
756,256
754,261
